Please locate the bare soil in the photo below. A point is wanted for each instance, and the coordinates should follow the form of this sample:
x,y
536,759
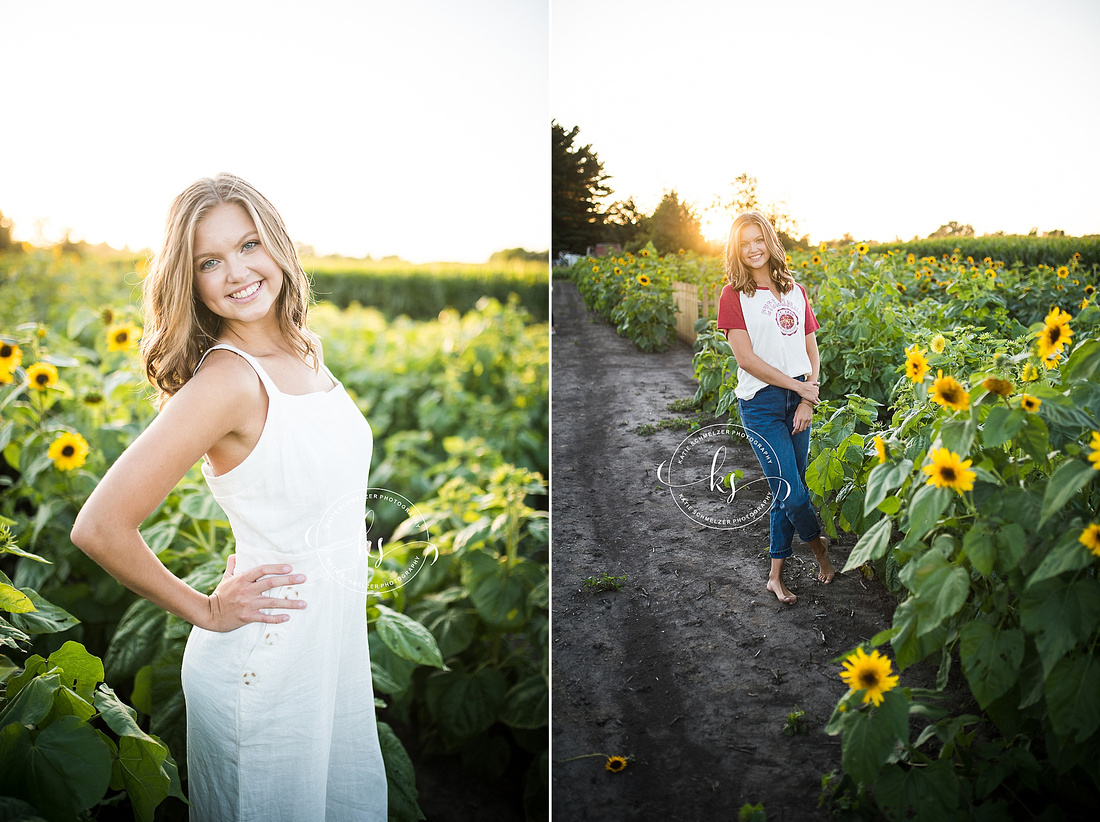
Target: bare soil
x,y
692,667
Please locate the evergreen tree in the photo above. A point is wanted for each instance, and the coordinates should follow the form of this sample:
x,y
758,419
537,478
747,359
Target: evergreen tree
x,y
577,183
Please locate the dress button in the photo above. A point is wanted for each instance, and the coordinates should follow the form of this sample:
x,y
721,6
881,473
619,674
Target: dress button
x,y
249,677
270,638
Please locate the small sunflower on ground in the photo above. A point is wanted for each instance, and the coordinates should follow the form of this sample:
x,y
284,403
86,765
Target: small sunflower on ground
x,y
1063,272
122,337
615,764
938,343
1094,444
642,279
947,392
872,674
916,365
41,376
949,470
68,451
1030,403
1090,538
1055,334
1002,388
880,449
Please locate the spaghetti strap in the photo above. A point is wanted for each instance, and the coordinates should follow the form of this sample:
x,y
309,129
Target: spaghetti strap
x,y
269,384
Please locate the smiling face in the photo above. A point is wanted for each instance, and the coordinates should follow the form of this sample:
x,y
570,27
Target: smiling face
x,y
752,248
235,277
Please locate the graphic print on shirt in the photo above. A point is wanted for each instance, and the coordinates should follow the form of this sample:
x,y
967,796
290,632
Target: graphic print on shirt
x,y
785,316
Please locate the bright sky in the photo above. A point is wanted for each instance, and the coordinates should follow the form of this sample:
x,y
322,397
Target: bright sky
x,y
406,127
875,118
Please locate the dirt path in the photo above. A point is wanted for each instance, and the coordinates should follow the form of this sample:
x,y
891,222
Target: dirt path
x,y
693,666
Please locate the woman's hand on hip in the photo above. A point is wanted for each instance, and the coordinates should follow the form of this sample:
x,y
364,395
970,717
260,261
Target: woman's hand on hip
x,y
239,598
803,416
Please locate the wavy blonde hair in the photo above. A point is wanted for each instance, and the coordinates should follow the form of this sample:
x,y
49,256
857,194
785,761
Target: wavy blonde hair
x,y
738,275
178,325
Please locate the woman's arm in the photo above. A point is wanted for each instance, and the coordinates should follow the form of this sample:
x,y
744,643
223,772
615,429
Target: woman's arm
x,y
748,360
803,415
215,404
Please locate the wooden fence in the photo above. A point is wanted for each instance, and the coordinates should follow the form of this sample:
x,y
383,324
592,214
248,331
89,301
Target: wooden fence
x,y
691,306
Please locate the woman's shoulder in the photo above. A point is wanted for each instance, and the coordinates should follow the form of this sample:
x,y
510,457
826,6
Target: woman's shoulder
x,y
224,376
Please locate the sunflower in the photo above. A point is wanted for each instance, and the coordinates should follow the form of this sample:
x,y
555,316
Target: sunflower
x,y
863,248
938,344
1090,289
1090,538
618,270
645,252
11,356
615,764
989,272
92,398
68,451
122,337
1094,444
816,260
911,258
947,392
41,375
949,470
1029,374
642,279
595,269
1002,388
1063,272
872,674
1030,403
916,366
1084,304
880,448
1055,334
954,259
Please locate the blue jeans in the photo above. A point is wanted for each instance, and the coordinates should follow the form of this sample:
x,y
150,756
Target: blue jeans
x,y
768,419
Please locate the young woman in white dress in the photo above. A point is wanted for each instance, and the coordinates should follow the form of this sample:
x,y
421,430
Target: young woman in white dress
x,y
280,709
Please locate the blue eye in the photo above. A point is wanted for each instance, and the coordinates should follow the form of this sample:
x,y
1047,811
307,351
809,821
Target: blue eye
x,y
250,245
206,266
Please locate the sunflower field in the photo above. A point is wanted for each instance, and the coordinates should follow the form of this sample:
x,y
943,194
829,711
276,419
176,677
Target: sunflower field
x,y
959,440
91,708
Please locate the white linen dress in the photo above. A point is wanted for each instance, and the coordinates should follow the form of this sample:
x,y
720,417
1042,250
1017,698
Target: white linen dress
x,y
280,718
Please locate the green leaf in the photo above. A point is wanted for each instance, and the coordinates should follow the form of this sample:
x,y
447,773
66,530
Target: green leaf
x,y
930,791
139,762
13,600
825,473
82,670
137,640
957,435
407,638
527,703
400,776
1084,362
867,744
979,548
1060,615
117,714
1002,425
940,595
46,618
991,659
925,509
883,479
465,704
1072,689
201,505
33,702
1034,438
498,591
1070,477
1067,555
453,628
61,770
871,545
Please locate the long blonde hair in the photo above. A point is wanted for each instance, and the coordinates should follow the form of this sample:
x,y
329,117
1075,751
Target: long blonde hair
x,y
178,325
738,275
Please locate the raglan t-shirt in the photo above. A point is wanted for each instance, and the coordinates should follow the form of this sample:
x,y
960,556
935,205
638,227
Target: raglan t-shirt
x,y
777,329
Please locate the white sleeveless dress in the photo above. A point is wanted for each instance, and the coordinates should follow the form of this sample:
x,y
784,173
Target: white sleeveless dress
x,y
280,718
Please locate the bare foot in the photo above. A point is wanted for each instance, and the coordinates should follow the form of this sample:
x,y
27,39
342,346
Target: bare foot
x,y
777,587
825,572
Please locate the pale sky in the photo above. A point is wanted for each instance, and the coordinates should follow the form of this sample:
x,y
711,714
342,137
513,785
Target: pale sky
x,y
875,118
408,127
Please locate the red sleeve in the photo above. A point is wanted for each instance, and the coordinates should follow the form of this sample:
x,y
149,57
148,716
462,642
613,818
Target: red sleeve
x,y
811,321
729,310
